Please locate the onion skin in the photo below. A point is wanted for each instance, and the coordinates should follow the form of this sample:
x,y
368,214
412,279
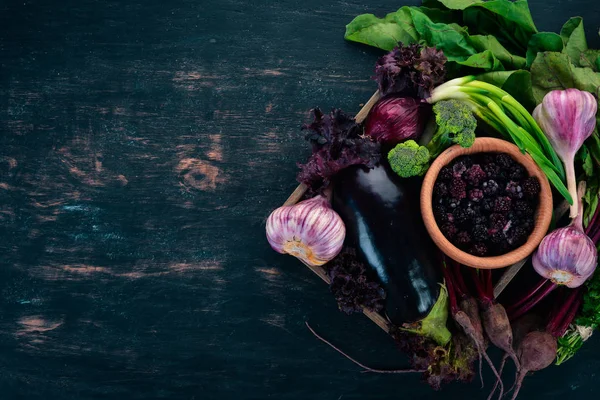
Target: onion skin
x,y
310,231
567,256
395,119
568,118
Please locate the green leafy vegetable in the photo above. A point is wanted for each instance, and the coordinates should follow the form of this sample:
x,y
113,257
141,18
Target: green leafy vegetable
x,y
543,41
573,36
384,33
510,22
554,71
487,36
586,322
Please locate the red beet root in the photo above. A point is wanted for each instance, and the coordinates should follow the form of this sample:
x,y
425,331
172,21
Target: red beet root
x,y
468,305
476,336
537,351
498,330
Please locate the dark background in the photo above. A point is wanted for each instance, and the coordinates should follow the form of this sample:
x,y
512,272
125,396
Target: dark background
x,y
142,146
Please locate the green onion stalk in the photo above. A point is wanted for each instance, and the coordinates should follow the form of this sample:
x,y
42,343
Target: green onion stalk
x,y
505,114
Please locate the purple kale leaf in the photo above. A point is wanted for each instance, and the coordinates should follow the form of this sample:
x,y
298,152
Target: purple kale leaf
x,y
351,286
411,70
337,143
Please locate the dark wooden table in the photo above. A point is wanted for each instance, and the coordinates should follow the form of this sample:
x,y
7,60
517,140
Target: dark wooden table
x,y
142,146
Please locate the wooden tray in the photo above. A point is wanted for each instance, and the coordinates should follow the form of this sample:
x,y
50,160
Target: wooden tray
x,y
379,319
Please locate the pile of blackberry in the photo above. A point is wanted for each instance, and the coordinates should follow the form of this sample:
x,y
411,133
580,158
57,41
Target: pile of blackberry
x,y
485,203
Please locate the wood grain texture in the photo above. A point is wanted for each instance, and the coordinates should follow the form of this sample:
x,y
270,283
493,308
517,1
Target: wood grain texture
x,y
543,214
142,146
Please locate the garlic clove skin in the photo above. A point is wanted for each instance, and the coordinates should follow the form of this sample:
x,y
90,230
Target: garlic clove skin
x,y
567,256
568,118
310,231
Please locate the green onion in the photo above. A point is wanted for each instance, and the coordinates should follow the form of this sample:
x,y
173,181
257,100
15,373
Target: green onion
x,y
504,113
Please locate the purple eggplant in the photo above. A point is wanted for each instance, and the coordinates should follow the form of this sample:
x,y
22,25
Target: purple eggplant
x,y
383,222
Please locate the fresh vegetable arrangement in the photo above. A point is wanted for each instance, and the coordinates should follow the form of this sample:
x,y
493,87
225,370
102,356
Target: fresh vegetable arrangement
x,y
455,72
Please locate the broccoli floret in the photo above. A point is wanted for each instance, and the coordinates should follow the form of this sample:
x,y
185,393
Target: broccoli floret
x,y
409,159
455,125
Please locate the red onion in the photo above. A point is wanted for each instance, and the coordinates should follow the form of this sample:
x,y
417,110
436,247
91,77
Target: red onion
x,y
395,119
309,230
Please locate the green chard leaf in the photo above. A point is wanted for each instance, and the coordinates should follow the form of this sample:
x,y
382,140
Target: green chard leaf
x,y
543,41
554,71
451,38
587,162
383,33
590,59
459,4
510,22
573,36
489,42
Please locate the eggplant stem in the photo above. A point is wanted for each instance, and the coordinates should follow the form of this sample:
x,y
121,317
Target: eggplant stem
x,y
366,369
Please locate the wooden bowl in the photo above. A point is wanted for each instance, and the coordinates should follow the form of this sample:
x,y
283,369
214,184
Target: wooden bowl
x,y
542,217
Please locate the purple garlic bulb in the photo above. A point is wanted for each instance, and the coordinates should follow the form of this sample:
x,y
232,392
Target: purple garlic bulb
x,y
568,118
566,256
309,230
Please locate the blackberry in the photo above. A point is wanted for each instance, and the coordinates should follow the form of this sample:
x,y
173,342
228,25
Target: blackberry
x,y
497,221
514,190
462,238
440,189
458,189
458,169
531,187
480,233
475,195
480,220
517,236
478,249
517,172
502,204
460,215
492,170
449,230
490,187
487,204
453,203
439,211
474,175
496,236
445,174
528,224
489,158
470,210
523,209
467,160
505,161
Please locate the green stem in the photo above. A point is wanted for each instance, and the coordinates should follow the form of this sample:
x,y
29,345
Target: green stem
x,y
539,135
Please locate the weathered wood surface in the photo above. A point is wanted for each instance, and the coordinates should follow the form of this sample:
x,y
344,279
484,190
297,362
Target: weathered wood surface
x,y
142,146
